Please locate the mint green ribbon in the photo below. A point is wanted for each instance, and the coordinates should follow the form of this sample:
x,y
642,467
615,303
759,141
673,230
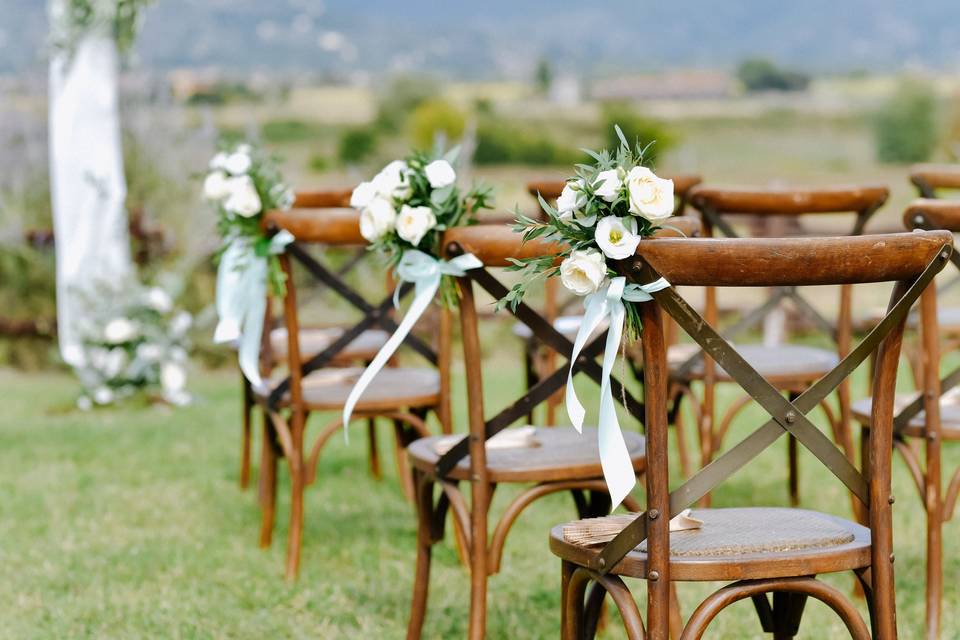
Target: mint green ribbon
x,y
242,299
425,272
608,302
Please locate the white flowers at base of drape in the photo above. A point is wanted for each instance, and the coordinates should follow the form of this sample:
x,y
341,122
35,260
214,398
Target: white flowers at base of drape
x,y
425,272
242,300
87,184
608,303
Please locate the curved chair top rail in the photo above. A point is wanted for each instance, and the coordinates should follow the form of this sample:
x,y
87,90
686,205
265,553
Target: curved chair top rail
x,y
550,189
936,176
323,199
332,227
771,262
788,201
925,213
495,244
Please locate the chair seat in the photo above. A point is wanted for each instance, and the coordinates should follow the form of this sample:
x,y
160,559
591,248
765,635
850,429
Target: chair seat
x,y
393,388
566,325
313,340
949,414
561,454
743,543
948,320
783,363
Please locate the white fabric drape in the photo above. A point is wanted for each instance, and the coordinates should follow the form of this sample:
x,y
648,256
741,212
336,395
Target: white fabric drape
x,y
88,189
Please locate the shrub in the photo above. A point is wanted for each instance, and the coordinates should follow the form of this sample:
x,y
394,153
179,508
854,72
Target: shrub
x,y
432,118
760,74
503,142
280,131
356,145
905,128
403,95
636,127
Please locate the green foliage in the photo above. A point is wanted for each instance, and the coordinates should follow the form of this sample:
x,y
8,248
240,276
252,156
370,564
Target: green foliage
x,y
905,129
119,19
433,118
760,74
224,93
356,145
503,142
403,95
319,163
543,76
649,133
284,131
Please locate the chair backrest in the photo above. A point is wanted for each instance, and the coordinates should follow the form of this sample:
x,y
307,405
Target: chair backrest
x,y
319,218
495,246
931,178
682,184
910,260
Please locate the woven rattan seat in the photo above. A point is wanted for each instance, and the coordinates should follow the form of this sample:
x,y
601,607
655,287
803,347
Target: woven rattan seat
x,y
327,389
790,362
753,542
949,415
561,453
313,340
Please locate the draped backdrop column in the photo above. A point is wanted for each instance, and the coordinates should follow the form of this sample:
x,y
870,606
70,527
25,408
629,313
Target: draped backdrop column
x,y
88,189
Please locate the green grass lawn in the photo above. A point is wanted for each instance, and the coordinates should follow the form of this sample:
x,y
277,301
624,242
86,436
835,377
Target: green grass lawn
x,y
128,523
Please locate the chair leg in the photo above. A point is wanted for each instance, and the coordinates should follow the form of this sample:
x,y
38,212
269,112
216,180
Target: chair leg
x,y
247,437
934,513
374,453
794,466
572,590
295,535
400,450
268,483
421,580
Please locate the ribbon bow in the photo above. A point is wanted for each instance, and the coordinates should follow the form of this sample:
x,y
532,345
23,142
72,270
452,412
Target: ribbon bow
x,y
608,302
242,299
425,272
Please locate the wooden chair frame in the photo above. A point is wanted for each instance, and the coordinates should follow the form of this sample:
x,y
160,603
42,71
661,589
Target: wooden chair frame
x,y
284,427
911,262
714,205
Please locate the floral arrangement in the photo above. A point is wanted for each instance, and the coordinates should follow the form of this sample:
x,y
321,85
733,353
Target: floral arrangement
x,y
602,214
243,183
133,340
72,20
407,206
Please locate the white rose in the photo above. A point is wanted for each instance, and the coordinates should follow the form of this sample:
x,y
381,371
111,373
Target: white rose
x,y
119,330
216,187
608,184
377,219
414,223
244,199
114,363
103,395
582,272
392,181
238,163
440,174
159,300
364,193
571,202
617,237
650,196
173,377
149,352
219,161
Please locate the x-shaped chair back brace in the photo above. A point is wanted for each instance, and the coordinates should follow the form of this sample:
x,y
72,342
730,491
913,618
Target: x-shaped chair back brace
x,y
785,416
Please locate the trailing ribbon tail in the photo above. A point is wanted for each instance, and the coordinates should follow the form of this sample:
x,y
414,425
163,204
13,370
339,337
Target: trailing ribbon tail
x,y
425,272
614,456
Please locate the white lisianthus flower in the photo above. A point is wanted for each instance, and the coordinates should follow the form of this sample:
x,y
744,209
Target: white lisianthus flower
x,y
149,352
244,200
392,181
219,161
617,237
159,300
378,219
114,363
180,323
582,272
414,223
440,174
651,197
608,184
238,163
173,377
119,330
216,187
362,195
283,196
571,201
103,395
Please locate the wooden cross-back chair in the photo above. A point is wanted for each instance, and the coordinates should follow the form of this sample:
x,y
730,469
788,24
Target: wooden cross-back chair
x,y
313,339
758,550
931,180
791,367
404,395
931,416
561,460
557,309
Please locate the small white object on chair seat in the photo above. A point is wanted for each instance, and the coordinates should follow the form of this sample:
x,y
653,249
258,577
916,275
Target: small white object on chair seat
x,y
520,437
